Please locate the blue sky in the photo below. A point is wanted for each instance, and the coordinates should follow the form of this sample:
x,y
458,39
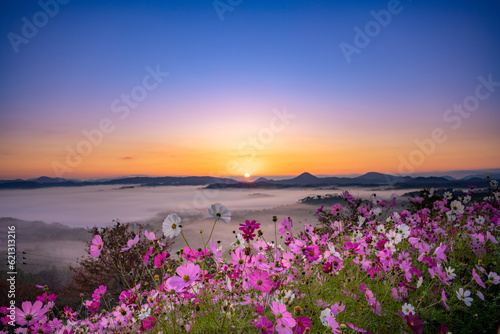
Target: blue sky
x,y
226,76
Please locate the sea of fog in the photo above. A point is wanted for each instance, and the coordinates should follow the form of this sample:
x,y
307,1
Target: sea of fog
x,y
100,205
47,245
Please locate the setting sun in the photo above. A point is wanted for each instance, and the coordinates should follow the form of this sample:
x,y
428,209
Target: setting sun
x,y
247,175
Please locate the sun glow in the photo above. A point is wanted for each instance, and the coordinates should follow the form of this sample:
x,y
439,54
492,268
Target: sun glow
x,y
247,175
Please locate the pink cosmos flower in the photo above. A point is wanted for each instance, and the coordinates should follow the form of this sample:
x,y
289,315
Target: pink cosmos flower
x,y
187,275
297,246
131,243
439,253
160,259
150,235
265,326
334,325
30,313
145,258
285,226
99,292
312,252
96,247
259,280
282,329
260,246
320,209
370,298
336,209
356,328
348,197
239,258
282,316
68,312
417,199
478,279
92,306
47,298
40,328
214,247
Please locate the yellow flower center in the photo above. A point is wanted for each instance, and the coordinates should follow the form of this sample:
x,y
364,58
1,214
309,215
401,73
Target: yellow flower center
x,y
185,278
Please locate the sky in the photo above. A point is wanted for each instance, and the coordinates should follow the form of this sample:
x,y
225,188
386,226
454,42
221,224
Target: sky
x,y
92,89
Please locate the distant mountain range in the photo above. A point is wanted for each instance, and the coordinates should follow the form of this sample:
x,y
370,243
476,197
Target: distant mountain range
x,y
371,179
46,182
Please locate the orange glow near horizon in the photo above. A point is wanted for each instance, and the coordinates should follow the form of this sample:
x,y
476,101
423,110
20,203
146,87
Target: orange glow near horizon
x,y
186,161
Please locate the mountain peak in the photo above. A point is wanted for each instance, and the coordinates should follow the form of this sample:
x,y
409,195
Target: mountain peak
x,y
262,179
306,174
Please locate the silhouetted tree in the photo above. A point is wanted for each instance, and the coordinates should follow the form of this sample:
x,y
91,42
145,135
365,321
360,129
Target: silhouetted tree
x,y
115,269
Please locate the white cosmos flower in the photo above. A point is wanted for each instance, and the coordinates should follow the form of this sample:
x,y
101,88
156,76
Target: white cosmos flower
x,y
407,309
381,229
450,216
493,278
375,199
404,230
466,199
464,295
332,250
220,212
325,314
144,312
394,237
494,183
457,207
171,225
447,195
419,282
450,273
376,211
390,246
361,220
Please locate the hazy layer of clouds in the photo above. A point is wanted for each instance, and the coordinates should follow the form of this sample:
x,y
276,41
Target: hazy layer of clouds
x,y
74,209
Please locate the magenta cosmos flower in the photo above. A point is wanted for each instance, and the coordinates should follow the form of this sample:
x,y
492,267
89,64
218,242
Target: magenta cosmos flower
x,y
30,313
160,259
302,324
96,247
99,292
265,326
187,275
259,280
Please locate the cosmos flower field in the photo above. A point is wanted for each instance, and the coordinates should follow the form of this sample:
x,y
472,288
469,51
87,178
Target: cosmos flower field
x,y
366,267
